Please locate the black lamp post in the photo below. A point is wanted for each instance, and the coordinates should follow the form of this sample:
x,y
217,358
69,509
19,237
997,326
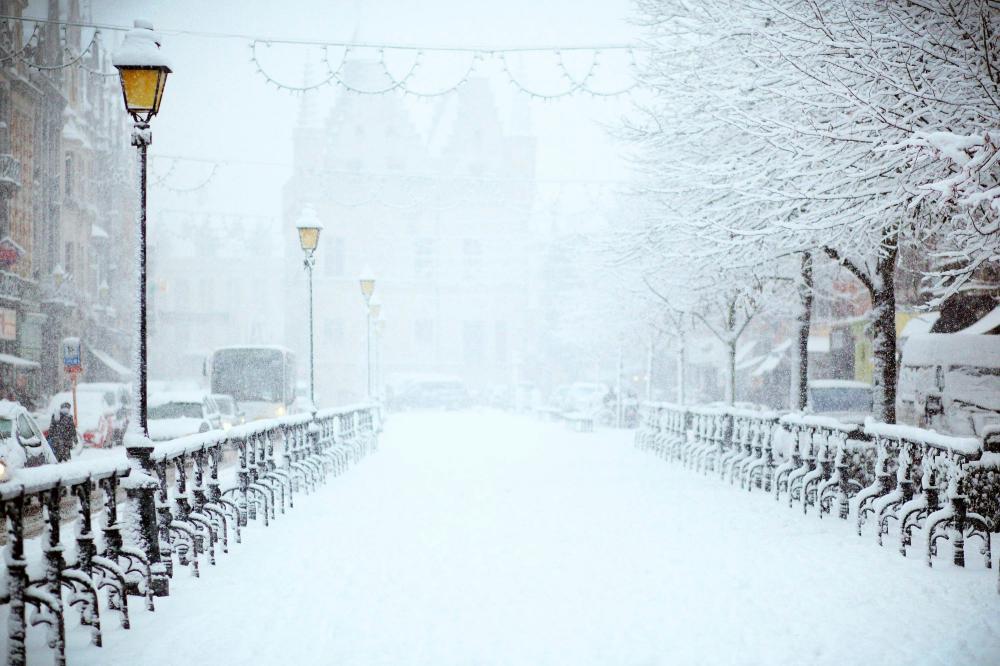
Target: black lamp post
x,y
367,282
309,228
143,69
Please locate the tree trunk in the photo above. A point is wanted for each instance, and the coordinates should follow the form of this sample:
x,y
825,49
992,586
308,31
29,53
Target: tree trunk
x,y
680,371
884,336
800,374
731,383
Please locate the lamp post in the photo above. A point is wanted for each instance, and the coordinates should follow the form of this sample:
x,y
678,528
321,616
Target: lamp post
x,y
143,69
367,283
309,228
374,310
379,335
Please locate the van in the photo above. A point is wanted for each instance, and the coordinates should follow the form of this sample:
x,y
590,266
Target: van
x,y
950,382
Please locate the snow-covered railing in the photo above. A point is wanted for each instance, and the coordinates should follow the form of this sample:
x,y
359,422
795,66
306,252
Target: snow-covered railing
x,y
889,476
180,507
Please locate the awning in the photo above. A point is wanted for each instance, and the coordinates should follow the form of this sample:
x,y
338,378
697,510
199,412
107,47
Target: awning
x,y
919,325
109,362
818,344
18,362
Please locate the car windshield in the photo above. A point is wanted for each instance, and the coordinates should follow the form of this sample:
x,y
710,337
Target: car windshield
x,y
175,410
226,405
6,427
841,399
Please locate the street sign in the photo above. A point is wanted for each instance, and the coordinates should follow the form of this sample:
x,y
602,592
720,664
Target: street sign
x,y
71,354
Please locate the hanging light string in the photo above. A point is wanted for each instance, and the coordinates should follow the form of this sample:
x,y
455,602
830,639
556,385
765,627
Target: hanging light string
x,y
334,75
163,181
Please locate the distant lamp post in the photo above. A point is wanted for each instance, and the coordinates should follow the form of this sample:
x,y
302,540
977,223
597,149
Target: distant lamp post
x,y
374,310
309,228
367,283
379,335
143,70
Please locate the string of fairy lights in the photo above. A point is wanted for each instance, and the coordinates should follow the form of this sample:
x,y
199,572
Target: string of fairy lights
x,y
333,67
20,40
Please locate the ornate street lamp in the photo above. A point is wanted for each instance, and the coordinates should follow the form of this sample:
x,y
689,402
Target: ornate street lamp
x,y
309,228
143,69
367,283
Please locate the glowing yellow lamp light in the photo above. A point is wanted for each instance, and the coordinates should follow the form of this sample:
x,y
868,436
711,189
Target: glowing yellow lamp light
x,y
143,70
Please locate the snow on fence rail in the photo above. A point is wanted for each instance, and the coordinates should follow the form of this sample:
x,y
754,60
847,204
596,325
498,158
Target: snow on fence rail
x,y
887,476
155,518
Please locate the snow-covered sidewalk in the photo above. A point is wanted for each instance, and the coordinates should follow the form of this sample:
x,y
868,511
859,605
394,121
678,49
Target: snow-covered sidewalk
x,y
482,538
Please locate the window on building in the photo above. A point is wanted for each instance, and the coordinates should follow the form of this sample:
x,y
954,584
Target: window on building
x,y
68,183
68,263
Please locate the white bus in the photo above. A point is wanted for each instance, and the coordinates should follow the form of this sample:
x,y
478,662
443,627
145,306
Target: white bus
x,y
260,377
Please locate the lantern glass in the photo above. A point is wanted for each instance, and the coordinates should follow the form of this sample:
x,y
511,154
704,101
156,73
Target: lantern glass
x,y
376,310
367,287
143,90
309,238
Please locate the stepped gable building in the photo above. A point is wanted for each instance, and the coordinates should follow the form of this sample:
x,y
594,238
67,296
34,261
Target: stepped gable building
x,y
440,215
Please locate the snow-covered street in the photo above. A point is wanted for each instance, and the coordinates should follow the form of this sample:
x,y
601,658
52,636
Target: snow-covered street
x,y
484,538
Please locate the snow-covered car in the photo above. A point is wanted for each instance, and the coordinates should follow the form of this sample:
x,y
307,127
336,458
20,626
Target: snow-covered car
x,y
22,443
434,393
229,411
179,413
950,382
95,415
843,399
586,398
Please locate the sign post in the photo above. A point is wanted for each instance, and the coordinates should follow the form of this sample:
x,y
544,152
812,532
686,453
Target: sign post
x,y
73,366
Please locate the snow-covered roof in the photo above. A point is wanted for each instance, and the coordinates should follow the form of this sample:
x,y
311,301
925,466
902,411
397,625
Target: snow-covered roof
x,y
984,325
818,344
947,349
837,383
919,325
97,232
18,362
141,48
110,362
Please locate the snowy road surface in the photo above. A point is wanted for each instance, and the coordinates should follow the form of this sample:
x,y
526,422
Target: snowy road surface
x,y
480,538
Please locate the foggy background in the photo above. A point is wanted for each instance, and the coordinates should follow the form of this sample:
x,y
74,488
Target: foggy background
x,y
483,283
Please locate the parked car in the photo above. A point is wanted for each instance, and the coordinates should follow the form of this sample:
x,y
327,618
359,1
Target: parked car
x,y
179,413
230,413
22,443
586,398
950,382
845,400
95,416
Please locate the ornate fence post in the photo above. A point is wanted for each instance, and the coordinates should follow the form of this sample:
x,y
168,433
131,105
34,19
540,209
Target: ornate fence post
x,y
141,489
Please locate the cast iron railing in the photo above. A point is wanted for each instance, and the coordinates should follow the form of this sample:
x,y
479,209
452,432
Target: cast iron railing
x,y
167,506
899,480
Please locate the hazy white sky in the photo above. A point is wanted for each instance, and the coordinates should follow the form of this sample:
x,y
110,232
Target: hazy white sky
x,y
217,106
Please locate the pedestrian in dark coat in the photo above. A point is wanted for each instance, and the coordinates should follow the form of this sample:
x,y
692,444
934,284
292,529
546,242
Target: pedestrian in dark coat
x,y
62,433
